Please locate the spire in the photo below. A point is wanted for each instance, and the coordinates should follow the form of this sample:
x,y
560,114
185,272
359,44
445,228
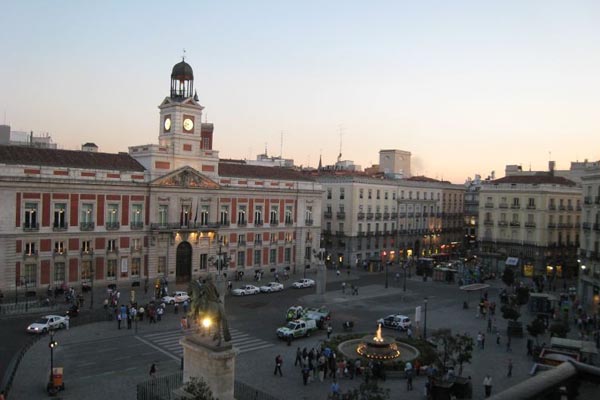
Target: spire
x,y
320,164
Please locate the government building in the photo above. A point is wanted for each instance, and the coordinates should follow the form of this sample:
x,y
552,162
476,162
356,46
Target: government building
x,y
172,210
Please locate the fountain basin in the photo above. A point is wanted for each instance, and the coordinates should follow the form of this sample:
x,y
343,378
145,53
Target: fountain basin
x,y
378,350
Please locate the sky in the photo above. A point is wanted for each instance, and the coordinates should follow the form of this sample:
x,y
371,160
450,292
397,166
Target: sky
x,y
467,87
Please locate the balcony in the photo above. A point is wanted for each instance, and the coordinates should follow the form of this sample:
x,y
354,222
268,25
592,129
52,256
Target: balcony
x,y
596,227
328,214
112,250
361,215
503,205
274,222
326,231
586,226
59,252
340,215
552,207
258,242
136,225
425,214
378,216
578,208
258,222
339,233
410,215
531,206
587,200
502,223
488,222
88,253
242,223
529,224
135,249
551,225
394,215
87,226
241,243
562,208
369,234
402,215
30,254
31,227
570,207
289,222
489,205
369,215
597,200
515,206
112,226
308,222
60,227
223,222
167,226
360,234
386,215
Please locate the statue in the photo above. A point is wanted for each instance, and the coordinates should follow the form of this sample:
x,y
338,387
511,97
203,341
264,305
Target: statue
x,y
205,303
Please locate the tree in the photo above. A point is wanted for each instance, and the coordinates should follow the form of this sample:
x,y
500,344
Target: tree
x,y
197,389
522,296
559,329
453,349
368,391
510,313
508,276
536,328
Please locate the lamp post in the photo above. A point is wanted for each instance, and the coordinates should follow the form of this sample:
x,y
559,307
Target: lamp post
x,y
425,320
387,263
52,344
91,287
26,301
404,284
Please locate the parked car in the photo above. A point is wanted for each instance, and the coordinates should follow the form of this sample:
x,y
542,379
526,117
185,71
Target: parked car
x,y
246,289
303,283
47,322
395,321
176,297
272,287
297,328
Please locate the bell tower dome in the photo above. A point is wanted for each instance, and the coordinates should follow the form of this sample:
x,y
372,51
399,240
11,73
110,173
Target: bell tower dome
x,y
182,80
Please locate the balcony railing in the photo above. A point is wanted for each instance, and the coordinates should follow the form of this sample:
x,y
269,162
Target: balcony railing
x,y
531,206
242,223
378,215
31,227
33,253
328,214
551,225
586,226
503,205
289,222
241,243
562,208
258,222
502,223
597,199
596,226
135,249
59,252
112,249
369,215
570,207
402,215
340,215
386,215
136,225
360,234
489,205
87,253
60,227
308,222
339,233
394,215
552,207
488,222
161,226
86,226
529,224
274,222
515,206
112,226
361,215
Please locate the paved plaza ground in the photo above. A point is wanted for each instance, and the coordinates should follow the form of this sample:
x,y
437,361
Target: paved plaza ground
x,y
101,362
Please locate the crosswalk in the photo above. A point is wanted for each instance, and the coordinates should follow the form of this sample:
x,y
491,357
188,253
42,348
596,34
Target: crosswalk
x,y
168,341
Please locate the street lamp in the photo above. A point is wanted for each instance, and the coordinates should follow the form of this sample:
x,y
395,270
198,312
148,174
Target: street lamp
x,y
91,287
387,263
52,344
425,319
404,284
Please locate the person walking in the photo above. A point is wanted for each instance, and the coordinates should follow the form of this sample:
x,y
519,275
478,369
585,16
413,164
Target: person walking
x,y
510,367
343,287
329,330
298,359
119,320
305,374
482,341
508,348
409,379
153,370
487,385
278,362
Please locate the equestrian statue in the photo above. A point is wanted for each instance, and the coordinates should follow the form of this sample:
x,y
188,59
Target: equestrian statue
x,y
206,303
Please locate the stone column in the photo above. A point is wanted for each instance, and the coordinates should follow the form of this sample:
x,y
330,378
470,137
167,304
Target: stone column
x,y
215,364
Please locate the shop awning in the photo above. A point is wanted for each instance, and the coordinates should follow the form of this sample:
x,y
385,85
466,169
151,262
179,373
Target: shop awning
x,y
512,261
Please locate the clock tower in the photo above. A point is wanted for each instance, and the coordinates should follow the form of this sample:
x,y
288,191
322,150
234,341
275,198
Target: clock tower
x,y
184,140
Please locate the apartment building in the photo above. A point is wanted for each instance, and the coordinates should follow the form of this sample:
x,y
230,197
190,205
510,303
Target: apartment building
x,y
589,256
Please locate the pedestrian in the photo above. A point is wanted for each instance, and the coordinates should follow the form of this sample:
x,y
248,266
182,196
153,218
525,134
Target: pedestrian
x,y
355,290
329,330
510,367
298,359
508,348
176,308
529,347
498,338
489,325
409,333
409,379
482,341
278,362
335,389
119,320
159,312
487,385
343,287
337,272
185,306
67,321
305,374
153,370
479,339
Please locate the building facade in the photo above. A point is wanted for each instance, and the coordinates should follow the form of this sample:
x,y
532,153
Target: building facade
x,y
589,257
532,219
170,210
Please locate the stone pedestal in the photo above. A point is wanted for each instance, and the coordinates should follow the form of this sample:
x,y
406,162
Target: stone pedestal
x,y
215,364
321,280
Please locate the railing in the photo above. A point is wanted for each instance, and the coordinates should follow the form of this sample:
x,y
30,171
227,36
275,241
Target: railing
x,y
596,226
488,222
136,225
551,225
177,225
112,226
490,205
552,207
386,215
515,206
587,200
597,199
531,206
159,388
327,214
586,226
369,215
502,223
86,226
31,227
361,215
241,223
87,253
530,224
377,215
245,392
394,215
274,222
341,215
30,253
308,222
562,208
258,223
60,227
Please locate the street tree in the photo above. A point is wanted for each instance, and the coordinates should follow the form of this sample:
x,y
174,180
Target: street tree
x,y
197,389
452,349
536,328
368,391
508,276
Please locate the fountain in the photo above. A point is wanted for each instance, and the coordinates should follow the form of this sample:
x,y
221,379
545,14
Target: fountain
x,y
379,348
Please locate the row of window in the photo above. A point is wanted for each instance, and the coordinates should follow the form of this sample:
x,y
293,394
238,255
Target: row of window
x,y
86,216
531,203
531,218
454,197
202,214
30,248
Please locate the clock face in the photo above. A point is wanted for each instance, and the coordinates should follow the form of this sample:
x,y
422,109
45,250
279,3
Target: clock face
x,y
188,124
167,124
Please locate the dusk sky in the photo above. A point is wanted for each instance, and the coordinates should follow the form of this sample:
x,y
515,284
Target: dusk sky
x,y
466,86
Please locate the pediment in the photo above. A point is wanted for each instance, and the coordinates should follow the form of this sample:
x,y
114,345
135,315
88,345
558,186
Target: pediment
x,y
186,177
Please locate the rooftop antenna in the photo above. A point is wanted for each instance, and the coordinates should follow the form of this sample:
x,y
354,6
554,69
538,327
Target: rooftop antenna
x,y
281,146
266,154
183,56
341,128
